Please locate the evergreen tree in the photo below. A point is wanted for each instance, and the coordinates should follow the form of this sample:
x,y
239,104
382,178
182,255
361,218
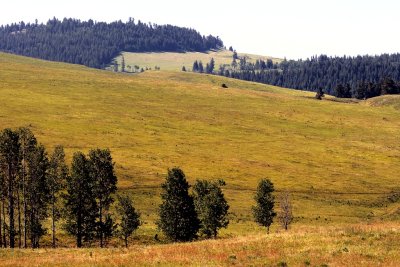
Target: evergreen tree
x,y
58,174
210,66
28,144
201,68
37,194
195,67
211,206
130,218
178,217
10,163
105,184
123,64
264,210
80,203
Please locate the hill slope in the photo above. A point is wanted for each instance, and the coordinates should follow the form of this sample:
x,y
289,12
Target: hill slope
x,y
341,161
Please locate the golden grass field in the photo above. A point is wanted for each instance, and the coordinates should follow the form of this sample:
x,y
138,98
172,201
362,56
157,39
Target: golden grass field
x,y
341,161
175,61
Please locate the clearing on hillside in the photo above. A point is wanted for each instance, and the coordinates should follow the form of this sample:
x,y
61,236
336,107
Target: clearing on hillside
x,y
175,61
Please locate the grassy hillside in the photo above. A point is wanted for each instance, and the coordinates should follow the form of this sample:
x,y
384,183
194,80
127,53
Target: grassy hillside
x,y
175,61
339,160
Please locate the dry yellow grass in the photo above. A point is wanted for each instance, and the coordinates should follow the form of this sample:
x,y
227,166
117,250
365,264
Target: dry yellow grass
x,y
351,245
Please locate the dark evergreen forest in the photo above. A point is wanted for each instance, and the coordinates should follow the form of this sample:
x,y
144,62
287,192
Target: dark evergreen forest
x,y
359,77
95,44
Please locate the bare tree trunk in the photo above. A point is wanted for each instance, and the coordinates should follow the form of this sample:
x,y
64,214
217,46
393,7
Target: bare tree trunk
x,y
11,207
19,220
1,227
101,224
4,224
53,211
24,198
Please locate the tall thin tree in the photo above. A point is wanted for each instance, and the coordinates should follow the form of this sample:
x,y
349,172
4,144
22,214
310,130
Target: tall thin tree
x,y
58,173
28,144
105,184
9,157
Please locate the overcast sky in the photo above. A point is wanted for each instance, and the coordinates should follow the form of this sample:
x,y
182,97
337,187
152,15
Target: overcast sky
x,y
280,28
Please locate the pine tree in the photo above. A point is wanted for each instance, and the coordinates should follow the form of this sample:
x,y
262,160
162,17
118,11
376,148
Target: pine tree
x,y
211,206
195,67
28,144
178,217
264,210
58,174
80,203
130,218
201,68
37,194
105,184
123,64
10,163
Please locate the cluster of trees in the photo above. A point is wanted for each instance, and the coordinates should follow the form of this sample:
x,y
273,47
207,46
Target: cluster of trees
x,y
364,90
198,66
35,187
362,76
184,216
95,44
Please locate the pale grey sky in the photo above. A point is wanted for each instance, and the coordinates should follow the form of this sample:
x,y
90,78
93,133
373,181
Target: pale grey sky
x,y
280,28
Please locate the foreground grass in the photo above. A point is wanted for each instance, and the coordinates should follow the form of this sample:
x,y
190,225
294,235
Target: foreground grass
x,y
351,245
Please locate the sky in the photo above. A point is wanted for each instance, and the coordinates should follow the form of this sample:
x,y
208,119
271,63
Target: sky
x,y
281,28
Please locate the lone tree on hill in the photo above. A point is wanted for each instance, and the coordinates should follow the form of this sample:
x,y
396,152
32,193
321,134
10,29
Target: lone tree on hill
x,y
264,210
285,214
130,218
178,217
211,206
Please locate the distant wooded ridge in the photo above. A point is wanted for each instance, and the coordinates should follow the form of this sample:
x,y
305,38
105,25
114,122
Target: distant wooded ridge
x,y
359,77
95,44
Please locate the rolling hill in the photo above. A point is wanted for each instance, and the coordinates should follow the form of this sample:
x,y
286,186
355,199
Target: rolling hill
x,y
340,161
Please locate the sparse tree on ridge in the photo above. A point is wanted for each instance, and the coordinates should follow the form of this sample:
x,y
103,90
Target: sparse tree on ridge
x,y
211,206
178,217
130,218
264,210
123,64
201,68
195,67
